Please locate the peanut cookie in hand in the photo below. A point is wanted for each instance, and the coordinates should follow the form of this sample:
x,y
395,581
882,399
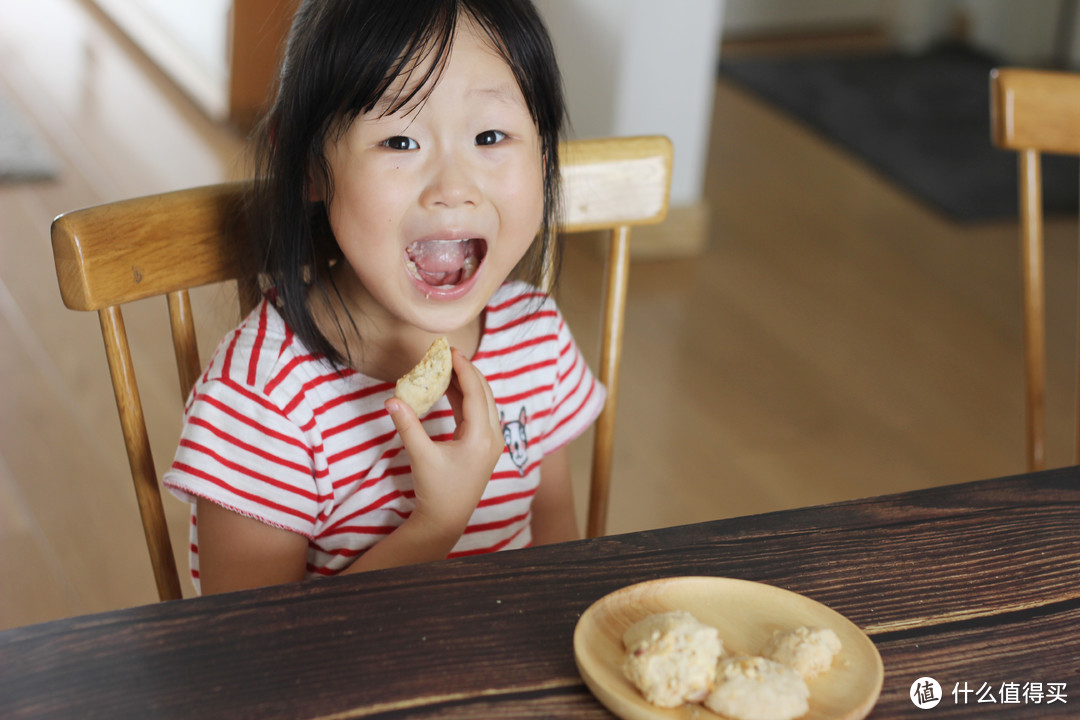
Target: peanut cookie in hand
x,y
427,382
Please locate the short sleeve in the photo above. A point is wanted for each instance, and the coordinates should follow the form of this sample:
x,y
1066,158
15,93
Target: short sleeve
x,y
578,395
239,450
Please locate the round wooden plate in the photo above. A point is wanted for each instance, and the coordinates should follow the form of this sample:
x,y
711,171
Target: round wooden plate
x,y
746,614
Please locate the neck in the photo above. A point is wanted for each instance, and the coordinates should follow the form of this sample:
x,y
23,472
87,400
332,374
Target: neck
x,y
379,345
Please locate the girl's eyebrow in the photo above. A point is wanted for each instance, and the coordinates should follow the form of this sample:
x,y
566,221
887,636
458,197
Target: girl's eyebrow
x,y
383,105
505,93
404,91
391,100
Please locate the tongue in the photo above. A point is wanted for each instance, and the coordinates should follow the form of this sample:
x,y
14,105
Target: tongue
x,y
443,262
434,256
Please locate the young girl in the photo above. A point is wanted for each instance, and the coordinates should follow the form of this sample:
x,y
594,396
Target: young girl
x,y
408,168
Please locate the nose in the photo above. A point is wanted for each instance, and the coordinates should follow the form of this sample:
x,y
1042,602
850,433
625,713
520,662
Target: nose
x,y
452,183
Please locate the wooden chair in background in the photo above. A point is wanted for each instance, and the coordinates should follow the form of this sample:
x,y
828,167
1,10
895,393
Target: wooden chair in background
x,y
113,254
1034,112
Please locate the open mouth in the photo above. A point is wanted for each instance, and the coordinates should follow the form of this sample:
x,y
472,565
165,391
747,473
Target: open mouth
x,y
445,264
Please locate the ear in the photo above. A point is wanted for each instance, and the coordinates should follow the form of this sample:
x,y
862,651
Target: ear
x,y
521,417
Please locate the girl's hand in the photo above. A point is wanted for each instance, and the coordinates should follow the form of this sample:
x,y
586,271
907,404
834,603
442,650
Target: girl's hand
x,y
449,477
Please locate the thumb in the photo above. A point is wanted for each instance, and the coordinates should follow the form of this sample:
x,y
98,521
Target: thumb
x,y
408,425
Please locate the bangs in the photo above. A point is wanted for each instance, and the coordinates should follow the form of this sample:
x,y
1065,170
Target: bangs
x,y
410,52
406,83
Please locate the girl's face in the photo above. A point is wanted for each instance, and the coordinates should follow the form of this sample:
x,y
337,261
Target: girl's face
x,y
433,208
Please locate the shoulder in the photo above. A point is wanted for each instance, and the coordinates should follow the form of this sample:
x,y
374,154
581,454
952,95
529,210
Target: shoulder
x,y
263,355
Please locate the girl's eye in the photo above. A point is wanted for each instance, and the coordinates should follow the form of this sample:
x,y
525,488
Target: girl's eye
x,y
400,142
490,137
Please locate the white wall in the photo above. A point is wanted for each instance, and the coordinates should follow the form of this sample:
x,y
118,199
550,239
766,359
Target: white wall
x,y
201,26
639,67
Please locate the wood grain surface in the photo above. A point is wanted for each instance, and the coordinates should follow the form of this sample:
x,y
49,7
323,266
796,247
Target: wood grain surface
x,y
968,583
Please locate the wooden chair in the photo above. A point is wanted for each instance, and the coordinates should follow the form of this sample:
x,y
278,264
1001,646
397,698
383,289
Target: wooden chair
x,y
117,253
1034,112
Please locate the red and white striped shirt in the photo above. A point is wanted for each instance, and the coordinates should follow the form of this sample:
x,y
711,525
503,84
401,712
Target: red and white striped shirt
x,y
273,432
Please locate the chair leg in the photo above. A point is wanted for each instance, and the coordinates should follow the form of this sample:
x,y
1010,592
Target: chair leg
x,y
140,459
1077,457
1031,263
618,271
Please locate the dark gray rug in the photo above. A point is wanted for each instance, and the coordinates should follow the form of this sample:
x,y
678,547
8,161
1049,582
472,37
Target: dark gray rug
x,y
921,120
24,156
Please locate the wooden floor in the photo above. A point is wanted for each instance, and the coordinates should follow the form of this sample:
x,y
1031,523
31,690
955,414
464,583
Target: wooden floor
x,y
837,339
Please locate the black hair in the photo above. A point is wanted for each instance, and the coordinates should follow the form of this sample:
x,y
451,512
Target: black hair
x,y
340,59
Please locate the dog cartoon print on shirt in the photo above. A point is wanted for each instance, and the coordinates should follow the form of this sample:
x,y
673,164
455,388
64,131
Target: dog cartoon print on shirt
x,y
516,440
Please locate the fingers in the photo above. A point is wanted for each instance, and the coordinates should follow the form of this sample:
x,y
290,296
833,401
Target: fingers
x,y
477,398
455,396
449,476
408,425
472,401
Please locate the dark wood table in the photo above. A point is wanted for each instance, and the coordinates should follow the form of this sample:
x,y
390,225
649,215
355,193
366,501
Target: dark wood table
x,y
976,585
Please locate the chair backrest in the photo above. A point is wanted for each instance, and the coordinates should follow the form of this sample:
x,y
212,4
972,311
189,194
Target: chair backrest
x,y
165,244
1034,112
